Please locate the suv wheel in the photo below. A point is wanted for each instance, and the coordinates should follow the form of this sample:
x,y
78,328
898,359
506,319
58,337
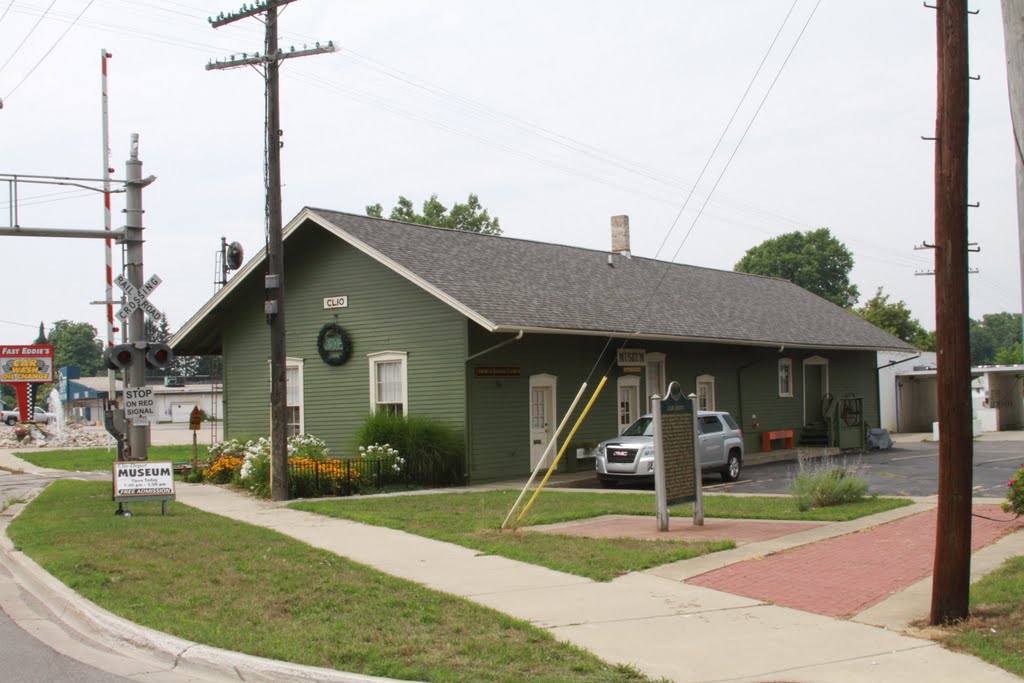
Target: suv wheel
x,y
732,468
10,421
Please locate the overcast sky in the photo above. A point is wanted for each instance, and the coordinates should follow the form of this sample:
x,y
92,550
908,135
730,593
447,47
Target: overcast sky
x,y
557,114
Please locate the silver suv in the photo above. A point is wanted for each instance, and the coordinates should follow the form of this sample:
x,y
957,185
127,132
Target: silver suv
x,y
630,457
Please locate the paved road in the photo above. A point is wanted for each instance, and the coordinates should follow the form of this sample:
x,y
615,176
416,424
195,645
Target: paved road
x,y
24,658
911,469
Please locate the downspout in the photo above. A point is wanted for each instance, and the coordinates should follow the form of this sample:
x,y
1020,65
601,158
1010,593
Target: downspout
x,y
469,398
496,346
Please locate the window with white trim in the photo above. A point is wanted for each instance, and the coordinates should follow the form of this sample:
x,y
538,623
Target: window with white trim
x,y
655,376
785,377
293,396
706,392
389,386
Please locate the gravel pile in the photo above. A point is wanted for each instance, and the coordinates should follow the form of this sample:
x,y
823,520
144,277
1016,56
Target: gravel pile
x,y
45,436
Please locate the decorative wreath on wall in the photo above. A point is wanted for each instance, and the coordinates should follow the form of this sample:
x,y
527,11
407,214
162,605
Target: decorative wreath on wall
x,y
334,345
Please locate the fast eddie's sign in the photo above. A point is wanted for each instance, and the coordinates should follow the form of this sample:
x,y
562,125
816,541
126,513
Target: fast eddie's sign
x,y
26,366
143,480
32,363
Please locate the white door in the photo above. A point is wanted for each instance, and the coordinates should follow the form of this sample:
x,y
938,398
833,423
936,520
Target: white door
x,y
542,417
629,401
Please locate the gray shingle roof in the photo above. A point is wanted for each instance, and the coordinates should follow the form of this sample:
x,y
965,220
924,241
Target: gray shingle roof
x,y
520,284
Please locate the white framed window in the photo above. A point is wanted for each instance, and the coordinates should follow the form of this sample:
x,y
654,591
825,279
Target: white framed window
x,y
389,385
786,377
655,376
706,392
294,413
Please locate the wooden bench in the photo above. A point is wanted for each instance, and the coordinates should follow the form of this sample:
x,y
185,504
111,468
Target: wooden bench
x,y
768,437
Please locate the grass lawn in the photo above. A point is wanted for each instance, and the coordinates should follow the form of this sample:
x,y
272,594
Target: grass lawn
x,y
227,584
995,630
474,520
92,459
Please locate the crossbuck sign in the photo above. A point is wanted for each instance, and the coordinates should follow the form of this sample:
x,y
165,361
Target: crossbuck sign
x,y
135,298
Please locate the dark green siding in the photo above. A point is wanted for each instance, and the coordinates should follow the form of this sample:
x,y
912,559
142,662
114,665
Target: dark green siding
x,y
246,364
499,408
746,385
385,313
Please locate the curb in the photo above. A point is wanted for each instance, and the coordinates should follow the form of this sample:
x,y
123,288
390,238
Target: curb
x,y
96,625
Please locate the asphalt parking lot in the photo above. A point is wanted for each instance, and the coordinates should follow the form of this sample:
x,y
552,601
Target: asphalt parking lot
x,y
907,469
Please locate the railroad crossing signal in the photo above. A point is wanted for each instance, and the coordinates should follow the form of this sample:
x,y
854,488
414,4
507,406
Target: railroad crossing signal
x,y
120,357
136,298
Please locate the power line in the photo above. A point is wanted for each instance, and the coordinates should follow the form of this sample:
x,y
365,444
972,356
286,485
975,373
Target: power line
x,y
728,162
27,35
52,48
7,9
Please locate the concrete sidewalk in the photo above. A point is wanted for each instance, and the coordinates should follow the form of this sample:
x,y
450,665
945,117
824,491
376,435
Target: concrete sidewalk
x,y
652,620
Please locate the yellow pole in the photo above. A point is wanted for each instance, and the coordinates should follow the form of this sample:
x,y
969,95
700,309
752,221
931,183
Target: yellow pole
x,y
547,451
561,450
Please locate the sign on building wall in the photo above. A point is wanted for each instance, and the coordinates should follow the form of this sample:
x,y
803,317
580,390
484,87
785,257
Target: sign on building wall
x,y
335,302
631,357
26,363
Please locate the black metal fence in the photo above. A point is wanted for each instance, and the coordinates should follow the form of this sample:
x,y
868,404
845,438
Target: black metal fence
x,y
309,478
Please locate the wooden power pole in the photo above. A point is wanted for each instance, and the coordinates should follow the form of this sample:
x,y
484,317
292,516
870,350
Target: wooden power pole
x,y
951,574
273,306
1013,37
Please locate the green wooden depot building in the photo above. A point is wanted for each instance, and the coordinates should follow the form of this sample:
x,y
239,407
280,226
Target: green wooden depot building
x,y
494,336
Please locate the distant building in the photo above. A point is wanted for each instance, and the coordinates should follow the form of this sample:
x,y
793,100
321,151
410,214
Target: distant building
x,y
85,397
908,394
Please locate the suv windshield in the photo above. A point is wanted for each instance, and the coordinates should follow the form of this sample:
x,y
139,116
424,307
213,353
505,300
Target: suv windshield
x,y
642,427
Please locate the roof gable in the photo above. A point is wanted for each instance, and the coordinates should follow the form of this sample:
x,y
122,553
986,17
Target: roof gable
x,y
506,284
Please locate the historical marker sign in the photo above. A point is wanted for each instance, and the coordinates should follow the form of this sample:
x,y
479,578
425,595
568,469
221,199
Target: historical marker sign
x,y
677,466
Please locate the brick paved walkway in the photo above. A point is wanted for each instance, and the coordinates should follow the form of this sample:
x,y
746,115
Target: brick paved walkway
x,y
680,528
845,575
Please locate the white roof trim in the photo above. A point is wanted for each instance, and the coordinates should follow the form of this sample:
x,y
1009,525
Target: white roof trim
x,y
312,215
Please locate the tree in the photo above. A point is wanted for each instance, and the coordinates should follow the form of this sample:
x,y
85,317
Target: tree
x,y
896,319
815,260
76,344
994,333
1010,356
471,216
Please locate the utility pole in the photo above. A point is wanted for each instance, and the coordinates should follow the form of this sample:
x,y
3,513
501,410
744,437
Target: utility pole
x,y
952,570
138,435
273,306
1013,37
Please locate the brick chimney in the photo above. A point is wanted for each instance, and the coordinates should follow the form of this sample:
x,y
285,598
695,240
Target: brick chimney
x,y
620,235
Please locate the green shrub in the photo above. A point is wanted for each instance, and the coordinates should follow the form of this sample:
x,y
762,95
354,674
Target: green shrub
x,y
826,483
1015,495
434,452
